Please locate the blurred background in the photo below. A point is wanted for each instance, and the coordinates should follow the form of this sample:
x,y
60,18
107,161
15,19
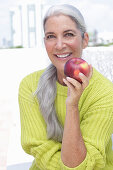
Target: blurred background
x,y
22,52
20,21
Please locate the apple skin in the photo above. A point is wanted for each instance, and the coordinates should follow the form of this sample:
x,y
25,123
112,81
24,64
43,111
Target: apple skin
x,y
74,66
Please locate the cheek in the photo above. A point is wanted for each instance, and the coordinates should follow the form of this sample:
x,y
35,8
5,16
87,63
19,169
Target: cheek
x,y
49,47
74,45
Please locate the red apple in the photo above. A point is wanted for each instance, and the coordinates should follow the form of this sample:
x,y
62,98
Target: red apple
x,y
74,66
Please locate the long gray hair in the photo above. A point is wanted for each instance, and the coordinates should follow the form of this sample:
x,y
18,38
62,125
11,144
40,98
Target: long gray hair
x,y
46,90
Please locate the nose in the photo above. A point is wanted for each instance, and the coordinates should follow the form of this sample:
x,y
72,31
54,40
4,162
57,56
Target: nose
x,y
60,44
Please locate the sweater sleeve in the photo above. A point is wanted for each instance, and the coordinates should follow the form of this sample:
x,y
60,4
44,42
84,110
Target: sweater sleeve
x,y
33,132
96,130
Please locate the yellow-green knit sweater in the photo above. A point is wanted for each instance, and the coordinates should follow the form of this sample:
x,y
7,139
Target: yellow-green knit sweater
x,y
96,123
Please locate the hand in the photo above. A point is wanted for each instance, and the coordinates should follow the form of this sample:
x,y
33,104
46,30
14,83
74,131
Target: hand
x,y
75,88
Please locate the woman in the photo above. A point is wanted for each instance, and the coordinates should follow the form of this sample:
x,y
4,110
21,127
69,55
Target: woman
x,y
66,124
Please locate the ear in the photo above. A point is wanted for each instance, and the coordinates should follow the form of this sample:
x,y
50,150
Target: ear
x,y
85,40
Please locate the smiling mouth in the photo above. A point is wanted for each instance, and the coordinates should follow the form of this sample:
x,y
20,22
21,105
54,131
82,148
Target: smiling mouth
x,y
63,55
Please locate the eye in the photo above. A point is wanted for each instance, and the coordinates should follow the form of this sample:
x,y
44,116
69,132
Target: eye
x,y
69,34
49,37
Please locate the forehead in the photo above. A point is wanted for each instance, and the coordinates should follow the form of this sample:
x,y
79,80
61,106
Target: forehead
x,y
61,21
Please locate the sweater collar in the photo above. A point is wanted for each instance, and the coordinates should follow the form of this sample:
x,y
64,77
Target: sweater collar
x,y
62,90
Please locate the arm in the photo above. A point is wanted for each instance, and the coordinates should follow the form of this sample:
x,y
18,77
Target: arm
x,y
73,150
73,147
96,129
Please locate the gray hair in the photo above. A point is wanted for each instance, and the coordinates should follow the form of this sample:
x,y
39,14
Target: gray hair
x,y
46,90
70,11
46,94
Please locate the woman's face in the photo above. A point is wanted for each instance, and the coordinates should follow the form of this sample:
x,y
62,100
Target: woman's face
x,y
63,41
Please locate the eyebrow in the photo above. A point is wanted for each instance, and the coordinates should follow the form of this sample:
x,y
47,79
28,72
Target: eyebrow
x,y
64,32
70,31
49,33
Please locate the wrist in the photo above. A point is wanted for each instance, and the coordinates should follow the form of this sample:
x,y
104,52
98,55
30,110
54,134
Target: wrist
x,y
72,104
72,109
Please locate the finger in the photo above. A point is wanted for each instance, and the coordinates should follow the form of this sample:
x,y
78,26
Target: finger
x,y
91,72
74,82
67,83
84,79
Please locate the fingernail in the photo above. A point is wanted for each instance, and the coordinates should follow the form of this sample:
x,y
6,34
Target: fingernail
x,y
64,79
68,78
80,74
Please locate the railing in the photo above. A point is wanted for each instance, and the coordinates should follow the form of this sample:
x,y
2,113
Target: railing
x,y
101,58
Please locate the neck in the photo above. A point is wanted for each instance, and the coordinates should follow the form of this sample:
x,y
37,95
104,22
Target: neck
x,y
60,77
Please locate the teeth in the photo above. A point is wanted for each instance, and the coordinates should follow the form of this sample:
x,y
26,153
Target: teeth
x,y
63,56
